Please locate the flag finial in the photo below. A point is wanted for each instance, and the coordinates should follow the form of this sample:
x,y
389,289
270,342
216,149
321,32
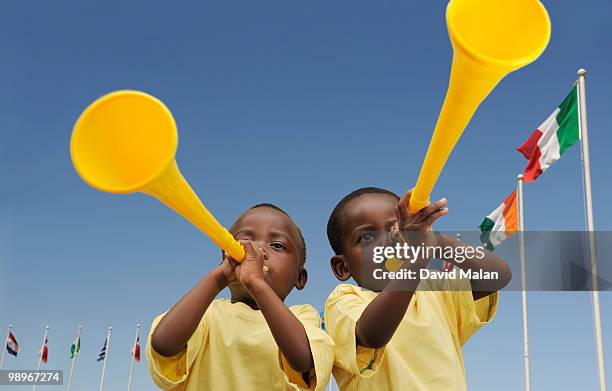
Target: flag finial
x,y
519,177
581,72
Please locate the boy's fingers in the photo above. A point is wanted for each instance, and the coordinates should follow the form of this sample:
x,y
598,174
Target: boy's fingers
x,y
435,216
231,261
401,209
401,212
225,257
405,198
430,209
254,252
403,203
442,202
249,248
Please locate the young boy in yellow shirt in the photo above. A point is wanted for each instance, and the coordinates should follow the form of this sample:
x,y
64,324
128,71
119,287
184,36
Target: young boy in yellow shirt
x,y
389,335
252,341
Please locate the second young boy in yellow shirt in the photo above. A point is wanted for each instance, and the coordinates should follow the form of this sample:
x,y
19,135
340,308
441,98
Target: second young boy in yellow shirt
x,y
388,334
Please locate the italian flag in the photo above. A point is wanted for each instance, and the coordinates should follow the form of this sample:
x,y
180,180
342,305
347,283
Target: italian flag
x,y
500,224
552,138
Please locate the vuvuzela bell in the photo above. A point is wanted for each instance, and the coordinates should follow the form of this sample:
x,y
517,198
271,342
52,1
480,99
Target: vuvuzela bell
x,y
125,142
490,39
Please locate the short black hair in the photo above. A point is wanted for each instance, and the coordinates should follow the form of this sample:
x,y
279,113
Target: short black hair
x,y
334,224
272,206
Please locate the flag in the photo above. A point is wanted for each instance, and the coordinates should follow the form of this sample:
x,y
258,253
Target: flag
x,y
44,353
552,138
75,348
448,266
11,344
136,350
102,354
322,314
501,224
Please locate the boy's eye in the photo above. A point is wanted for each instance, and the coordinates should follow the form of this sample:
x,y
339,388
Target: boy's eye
x,y
278,246
366,237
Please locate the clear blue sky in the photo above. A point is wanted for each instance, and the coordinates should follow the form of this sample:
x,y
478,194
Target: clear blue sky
x,y
299,103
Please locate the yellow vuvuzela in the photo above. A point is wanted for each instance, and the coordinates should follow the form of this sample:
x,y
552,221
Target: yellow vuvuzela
x,y
125,142
490,39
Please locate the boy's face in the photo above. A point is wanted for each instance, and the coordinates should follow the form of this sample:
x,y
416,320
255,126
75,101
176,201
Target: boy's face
x,y
280,242
366,222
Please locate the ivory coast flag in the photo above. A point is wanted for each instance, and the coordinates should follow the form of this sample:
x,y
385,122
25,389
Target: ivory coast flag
x,y
552,138
500,224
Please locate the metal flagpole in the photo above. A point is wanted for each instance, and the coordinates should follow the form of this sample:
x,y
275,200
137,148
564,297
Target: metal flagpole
x,y
590,225
6,343
133,354
521,228
74,355
108,336
41,353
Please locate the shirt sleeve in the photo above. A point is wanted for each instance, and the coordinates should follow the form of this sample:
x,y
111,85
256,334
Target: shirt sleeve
x,y
466,314
321,347
169,372
343,309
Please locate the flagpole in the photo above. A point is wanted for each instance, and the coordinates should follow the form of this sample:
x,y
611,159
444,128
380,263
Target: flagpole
x,y
8,332
521,228
108,336
41,353
74,355
590,225
133,354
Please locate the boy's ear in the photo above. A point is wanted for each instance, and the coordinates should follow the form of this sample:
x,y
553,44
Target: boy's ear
x,y
301,280
340,268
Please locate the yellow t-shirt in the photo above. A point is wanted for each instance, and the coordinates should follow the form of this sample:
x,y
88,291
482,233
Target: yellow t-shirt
x,y
425,351
233,349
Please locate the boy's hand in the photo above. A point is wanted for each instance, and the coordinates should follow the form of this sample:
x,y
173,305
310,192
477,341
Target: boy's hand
x,y
228,270
252,269
416,227
423,219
